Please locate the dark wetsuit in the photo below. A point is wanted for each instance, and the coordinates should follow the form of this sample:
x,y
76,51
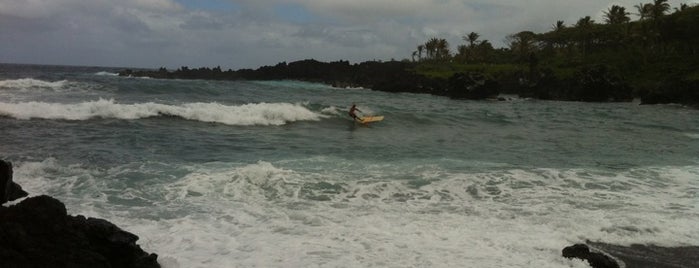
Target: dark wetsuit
x,y
352,110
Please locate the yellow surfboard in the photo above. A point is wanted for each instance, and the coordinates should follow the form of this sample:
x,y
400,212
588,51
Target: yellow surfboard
x,y
369,119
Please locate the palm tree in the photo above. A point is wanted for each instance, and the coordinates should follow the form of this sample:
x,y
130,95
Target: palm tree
x,y
522,44
483,51
420,49
644,10
442,49
555,38
660,7
462,53
559,26
472,38
585,22
584,25
682,7
616,15
431,48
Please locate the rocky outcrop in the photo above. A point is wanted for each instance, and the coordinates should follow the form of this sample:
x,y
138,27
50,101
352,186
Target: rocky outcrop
x,y
592,83
597,83
651,256
595,259
473,86
672,91
634,256
38,232
9,191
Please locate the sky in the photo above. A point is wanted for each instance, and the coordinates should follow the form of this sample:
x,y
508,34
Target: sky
x,y
252,33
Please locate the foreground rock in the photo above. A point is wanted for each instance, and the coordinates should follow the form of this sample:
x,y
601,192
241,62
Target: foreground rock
x,y
38,232
634,256
9,191
595,259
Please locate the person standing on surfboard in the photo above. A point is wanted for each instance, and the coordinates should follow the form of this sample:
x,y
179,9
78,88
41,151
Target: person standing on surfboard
x,y
353,110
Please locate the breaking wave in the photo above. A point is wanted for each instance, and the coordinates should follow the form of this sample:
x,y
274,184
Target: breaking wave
x,y
242,115
103,73
29,83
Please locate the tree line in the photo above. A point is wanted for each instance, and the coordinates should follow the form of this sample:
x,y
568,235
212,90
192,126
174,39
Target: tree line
x,y
660,35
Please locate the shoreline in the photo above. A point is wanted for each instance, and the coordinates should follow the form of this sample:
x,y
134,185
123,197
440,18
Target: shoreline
x,y
590,83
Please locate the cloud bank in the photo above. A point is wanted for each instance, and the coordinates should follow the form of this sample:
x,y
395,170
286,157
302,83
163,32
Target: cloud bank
x,y
250,33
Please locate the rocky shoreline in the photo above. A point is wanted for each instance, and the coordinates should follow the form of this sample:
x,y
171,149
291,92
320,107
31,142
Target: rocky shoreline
x,y
592,83
38,232
604,255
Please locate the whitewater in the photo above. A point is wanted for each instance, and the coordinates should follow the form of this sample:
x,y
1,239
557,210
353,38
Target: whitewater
x,y
275,174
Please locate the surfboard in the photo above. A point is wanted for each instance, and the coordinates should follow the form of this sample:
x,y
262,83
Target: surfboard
x,y
369,119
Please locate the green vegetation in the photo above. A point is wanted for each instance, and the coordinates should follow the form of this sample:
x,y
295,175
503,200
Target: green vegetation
x,y
655,58
444,71
663,44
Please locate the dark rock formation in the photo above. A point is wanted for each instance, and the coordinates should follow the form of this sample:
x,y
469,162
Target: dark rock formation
x,y
634,256
595,259
38,232
474,86
9,190
672,91
539,85
595,83
651,256
599,83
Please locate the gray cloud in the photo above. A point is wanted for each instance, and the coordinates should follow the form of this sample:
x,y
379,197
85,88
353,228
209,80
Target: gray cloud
x,y
154,33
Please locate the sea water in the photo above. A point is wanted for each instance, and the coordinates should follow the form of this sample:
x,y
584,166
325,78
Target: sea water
x,y
275,174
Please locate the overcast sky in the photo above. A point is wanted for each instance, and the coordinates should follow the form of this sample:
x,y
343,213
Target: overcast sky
x,y
250,33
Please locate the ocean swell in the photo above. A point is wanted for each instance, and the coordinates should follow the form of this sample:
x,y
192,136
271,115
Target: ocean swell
x,y
29,83
241,115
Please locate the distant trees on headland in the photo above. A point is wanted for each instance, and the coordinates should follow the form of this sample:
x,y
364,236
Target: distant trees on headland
x,y
657,53
656,33
654,57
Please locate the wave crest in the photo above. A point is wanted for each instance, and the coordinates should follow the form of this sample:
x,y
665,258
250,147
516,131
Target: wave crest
x,y
244,115
29,83
105,73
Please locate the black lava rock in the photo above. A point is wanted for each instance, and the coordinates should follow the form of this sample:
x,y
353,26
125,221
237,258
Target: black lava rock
x,y
595,259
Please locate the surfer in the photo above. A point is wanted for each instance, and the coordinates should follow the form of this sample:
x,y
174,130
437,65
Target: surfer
x,y
353,110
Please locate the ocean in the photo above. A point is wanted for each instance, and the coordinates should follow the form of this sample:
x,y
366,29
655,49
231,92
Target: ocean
x,y
275,173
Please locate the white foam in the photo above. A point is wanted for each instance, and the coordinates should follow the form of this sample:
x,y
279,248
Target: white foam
x,y
331,110
692,135
29,83
247,114
52,178
103,73
259,214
